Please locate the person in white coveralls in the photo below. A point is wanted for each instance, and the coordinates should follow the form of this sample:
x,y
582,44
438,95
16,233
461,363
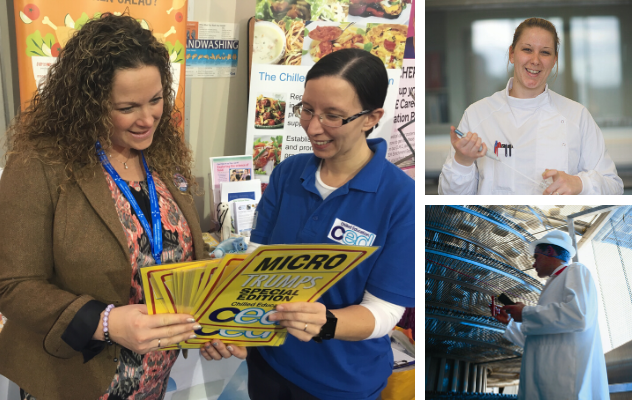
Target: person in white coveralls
x,y
563,357
531,129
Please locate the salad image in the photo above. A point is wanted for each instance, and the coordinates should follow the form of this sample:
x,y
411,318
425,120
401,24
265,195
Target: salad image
x,y
306,10
270,113
266,154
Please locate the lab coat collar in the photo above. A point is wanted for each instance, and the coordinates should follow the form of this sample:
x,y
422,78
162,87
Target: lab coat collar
x,y
553,276
537,102
557,269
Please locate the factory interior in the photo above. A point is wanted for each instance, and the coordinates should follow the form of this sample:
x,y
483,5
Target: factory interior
x,y
473,252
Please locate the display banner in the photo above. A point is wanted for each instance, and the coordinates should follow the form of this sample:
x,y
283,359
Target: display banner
x,y
43,27
289,38
399,149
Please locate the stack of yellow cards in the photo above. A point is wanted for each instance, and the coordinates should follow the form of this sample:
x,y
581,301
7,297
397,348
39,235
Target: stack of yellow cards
x,y
232,298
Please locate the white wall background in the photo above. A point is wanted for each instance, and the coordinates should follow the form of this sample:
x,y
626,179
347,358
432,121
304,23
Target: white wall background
x,y
216,108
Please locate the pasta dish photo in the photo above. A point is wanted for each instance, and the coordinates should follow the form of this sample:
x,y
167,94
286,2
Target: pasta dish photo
x,y
294,34
388,43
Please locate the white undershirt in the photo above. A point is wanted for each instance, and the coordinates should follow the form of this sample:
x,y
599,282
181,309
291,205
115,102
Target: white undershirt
x,y
323,189
386,314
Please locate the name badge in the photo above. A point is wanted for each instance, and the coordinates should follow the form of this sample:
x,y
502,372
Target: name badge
x,y
180,182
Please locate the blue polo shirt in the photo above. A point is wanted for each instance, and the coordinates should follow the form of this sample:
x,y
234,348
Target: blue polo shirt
x,y
376,207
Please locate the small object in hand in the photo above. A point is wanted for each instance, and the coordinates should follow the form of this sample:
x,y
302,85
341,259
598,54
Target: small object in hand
x,y
546,183
505,300
493,306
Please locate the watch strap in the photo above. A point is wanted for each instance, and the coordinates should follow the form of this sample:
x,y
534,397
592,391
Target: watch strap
x,y
328,330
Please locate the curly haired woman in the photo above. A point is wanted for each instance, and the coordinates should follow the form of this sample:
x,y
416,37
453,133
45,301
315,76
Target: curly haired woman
x,y
87,199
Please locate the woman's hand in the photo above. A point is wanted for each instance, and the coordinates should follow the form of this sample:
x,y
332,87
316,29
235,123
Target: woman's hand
x,y
467,147
302,320
563,183
131,327
216,350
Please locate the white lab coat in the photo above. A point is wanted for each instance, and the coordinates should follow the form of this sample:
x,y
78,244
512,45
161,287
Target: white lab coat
x,y
563,358
547,132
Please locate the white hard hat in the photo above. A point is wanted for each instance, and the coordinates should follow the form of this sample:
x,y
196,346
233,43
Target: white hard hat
x,y
557,238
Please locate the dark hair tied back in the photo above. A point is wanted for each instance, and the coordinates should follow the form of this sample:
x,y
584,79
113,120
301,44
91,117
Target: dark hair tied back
x,y
364,71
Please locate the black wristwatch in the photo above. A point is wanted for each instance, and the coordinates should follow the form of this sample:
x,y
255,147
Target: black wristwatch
x,y
327,331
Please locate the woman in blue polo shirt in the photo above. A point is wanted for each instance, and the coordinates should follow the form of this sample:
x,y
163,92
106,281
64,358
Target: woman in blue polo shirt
x,y
338,348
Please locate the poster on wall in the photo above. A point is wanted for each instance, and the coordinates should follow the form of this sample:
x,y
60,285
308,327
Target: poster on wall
x,y
44,27
289,38
402,142
212,49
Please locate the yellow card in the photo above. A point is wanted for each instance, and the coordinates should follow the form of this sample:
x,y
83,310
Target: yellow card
x,y
194,277
149,290
161,306
230,262
206,280
272,275
239,337
219,273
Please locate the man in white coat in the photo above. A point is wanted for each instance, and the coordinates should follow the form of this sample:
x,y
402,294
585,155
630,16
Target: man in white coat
x,y
563,357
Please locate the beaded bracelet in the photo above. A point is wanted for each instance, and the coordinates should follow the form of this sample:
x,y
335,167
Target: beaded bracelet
x,y
106,316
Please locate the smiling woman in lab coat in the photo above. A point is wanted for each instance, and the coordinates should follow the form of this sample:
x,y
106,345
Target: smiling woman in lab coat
x,y
533,129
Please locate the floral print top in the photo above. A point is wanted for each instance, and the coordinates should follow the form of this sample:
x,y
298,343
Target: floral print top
x,y
146,376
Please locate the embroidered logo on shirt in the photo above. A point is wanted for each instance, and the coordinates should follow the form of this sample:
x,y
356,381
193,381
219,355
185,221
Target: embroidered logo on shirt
x,y
345,233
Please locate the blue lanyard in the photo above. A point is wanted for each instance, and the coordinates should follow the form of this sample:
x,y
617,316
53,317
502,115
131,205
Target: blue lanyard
x,y
155,238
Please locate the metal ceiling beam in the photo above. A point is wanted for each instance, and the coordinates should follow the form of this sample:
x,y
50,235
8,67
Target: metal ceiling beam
x,y
593,210
477,288
601,221
487,267
463,321
449,307
474,242
476,343
570,221
500,225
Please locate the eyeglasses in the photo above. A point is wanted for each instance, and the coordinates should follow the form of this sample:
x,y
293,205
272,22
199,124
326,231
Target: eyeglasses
x,y
330,120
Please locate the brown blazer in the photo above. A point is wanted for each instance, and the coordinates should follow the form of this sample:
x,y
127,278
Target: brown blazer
x,y
58,250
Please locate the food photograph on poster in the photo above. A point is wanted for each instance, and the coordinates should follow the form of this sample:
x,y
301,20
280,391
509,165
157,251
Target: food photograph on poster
x,y
307,10
266,154
270,112
397,11
322,38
